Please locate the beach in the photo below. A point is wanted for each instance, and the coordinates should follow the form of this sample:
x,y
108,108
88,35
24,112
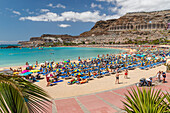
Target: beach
x,y
16,57
62,90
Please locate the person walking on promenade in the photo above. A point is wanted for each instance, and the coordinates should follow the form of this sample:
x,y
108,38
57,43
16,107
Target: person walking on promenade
x,y
158,76
164,76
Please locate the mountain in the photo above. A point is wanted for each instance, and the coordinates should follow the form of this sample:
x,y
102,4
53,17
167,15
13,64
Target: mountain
x,y
135,18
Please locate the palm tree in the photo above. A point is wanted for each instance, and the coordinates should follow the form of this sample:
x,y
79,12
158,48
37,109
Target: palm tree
x,y
20,96
146,101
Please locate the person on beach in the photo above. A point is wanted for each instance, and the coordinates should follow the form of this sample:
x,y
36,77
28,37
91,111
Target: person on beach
x,y
26,63
149,81
126,74
164,76
48,80
158,75
111,67
36,63
117,77
116,70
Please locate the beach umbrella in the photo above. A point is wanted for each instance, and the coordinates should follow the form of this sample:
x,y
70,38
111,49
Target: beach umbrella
x,y
34,71
58,69
76,70
79,74
25,74
65,61
30,65
65,66
82,65
15,73
50,75
25,71
110,62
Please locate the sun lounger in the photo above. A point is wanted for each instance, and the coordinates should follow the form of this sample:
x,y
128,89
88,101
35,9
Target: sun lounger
x,y
68,77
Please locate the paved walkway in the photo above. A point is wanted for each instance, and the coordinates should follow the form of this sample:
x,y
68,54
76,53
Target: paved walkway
x,y
102,102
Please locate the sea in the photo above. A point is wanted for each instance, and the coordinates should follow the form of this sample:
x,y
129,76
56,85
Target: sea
x,y
19,56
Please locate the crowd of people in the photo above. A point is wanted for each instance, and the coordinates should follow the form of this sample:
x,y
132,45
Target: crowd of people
x,y
96,67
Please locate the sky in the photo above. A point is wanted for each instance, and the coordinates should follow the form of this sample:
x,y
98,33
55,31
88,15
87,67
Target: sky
x,y
22,19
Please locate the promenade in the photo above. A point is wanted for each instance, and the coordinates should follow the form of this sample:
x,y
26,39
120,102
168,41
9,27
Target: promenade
x,y
109,101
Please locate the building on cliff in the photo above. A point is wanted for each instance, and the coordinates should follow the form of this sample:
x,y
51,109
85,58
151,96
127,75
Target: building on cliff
x,y
146,21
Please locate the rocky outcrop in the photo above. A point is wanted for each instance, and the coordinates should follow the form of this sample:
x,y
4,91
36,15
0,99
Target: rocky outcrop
x,y
99,28
35,38
136,18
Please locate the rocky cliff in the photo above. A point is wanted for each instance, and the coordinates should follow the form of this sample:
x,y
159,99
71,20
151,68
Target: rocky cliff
x,y
101,27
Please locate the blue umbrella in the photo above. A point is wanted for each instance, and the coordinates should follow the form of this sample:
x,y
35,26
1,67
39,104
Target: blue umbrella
x,y
25,74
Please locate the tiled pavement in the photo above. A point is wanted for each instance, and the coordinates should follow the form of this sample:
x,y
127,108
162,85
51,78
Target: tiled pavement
x,y
101,102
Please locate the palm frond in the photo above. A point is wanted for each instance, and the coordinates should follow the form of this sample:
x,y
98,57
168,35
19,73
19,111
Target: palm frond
x,y
145,101
35,99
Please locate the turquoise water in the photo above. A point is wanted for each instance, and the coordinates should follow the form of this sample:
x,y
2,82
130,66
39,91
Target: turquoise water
x,y
16,56
5,45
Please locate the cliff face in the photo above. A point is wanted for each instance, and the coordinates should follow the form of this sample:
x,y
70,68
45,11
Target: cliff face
x,y
129,26
101,27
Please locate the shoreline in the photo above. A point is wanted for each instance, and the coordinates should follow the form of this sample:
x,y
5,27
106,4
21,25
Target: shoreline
x,y
63,90
74,60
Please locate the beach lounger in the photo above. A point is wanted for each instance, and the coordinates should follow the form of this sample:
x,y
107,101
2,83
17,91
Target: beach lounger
x,y
131,67
107,73
68,77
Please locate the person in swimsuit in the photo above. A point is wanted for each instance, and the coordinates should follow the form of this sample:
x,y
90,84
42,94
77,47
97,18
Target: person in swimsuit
x,y
126,73
117,78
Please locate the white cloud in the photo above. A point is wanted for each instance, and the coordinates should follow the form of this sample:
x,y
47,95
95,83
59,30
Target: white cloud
x,y
44,10
93,5
60,6
121,7
28,11
57,6
106,0
16,12
70,16
64,25
50,5
113,9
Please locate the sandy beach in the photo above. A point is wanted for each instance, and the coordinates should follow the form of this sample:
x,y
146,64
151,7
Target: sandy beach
x,y
62,90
